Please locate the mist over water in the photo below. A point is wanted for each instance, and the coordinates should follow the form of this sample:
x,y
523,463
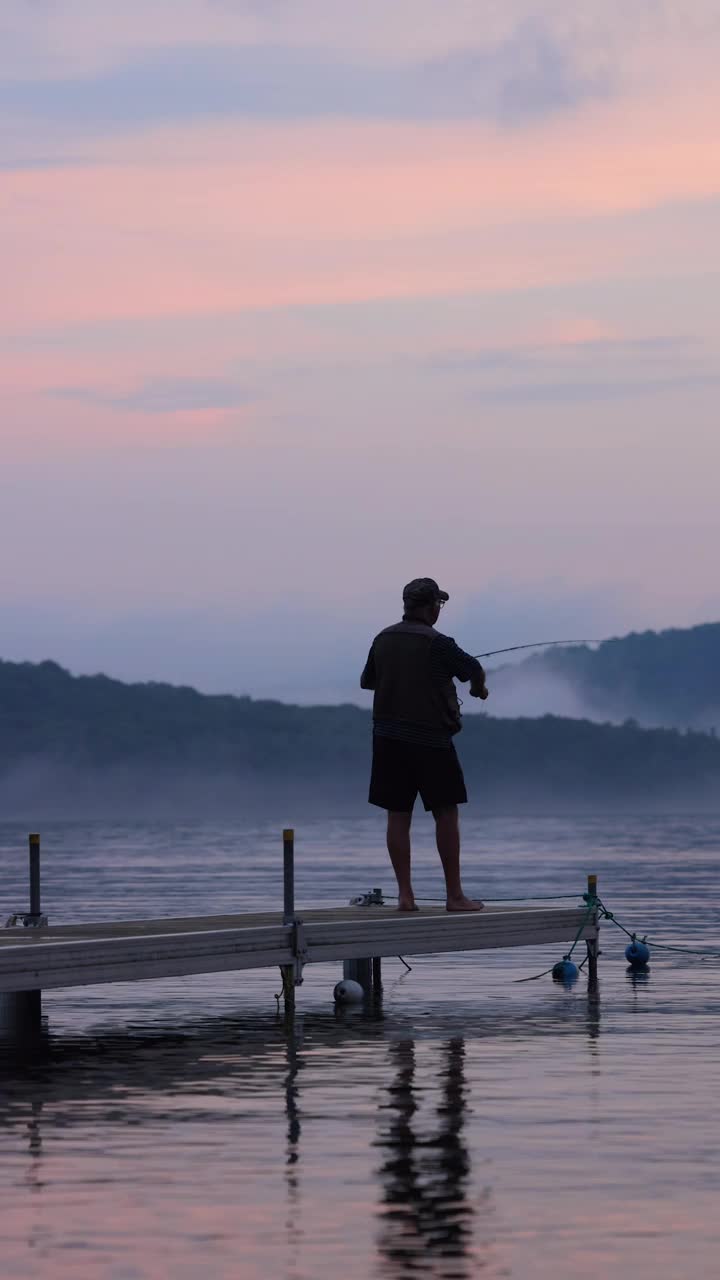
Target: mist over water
x,y
660,679
40,792
524,691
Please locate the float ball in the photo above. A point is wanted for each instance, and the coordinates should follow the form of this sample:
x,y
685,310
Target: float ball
x,y
348,992
637,954
565,971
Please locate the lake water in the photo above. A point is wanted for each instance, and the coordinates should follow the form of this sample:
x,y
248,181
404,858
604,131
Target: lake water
x,y
472,1125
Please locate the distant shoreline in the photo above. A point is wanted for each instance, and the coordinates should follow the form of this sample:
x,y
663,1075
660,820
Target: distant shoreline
x,y
90,746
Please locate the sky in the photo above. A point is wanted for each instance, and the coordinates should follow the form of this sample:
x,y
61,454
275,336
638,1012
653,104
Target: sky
x,y
303,299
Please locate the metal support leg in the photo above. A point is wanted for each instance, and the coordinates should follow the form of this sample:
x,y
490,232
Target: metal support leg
x,y
20,1014
21,1011
288,978
377,975
593,944
360,971
592,952
289,971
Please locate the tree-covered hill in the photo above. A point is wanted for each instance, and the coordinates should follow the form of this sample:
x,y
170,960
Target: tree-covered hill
x,y
659,678
90,743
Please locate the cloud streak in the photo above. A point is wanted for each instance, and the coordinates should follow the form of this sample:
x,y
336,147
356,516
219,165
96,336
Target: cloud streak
x,y
524,77
331,295
577,372
163,395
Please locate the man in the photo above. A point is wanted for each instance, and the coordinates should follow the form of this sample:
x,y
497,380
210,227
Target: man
x,y
415,715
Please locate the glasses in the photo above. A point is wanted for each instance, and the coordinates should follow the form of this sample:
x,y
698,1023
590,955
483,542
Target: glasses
x,y
441,603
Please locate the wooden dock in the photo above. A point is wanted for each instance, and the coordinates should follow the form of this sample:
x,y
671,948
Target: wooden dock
x,y
36,956
132,950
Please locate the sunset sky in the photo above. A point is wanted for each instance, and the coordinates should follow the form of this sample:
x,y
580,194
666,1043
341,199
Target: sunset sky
x,y
302,299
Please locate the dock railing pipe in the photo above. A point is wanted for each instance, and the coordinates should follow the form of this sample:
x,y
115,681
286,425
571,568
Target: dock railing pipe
x,y
288,875
288,970
34,844
593,949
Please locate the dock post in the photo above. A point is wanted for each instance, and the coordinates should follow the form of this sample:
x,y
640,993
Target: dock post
x,y
21,1011
592,944
288,970
29,1003
377,975
34,849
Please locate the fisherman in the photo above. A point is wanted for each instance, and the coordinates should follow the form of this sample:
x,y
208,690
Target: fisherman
x,y
416,712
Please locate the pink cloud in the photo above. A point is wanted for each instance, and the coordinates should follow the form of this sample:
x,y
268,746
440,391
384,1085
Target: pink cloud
x,y
322,214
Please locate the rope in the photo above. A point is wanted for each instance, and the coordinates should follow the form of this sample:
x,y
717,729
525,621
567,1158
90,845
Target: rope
x,y
591,906
662,946
284,991
599,905
692,951
534,977
610,915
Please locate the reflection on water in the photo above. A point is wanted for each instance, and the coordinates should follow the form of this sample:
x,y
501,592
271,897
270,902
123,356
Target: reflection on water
x,y
468,1125
171,1089
294,1132
425,1218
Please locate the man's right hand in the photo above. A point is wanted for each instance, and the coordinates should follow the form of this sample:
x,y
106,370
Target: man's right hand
x,y
479,690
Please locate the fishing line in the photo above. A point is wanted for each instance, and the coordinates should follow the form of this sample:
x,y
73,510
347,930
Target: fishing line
x,y
538,644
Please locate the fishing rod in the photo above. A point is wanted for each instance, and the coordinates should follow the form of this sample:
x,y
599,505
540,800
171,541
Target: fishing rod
x,y
538,644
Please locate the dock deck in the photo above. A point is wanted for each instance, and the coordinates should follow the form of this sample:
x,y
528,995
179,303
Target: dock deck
x,y
74,955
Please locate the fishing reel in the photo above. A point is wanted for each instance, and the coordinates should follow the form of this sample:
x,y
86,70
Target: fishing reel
x,y
373,898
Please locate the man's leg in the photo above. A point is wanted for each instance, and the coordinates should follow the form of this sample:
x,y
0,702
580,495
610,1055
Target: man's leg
x,y
447,835
398,843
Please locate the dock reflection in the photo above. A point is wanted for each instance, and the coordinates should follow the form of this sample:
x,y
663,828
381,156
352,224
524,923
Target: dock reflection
x,y
426,1217
294,1064
434,1216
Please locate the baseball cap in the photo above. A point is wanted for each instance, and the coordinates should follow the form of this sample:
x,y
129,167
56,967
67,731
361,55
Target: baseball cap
x,y
423,591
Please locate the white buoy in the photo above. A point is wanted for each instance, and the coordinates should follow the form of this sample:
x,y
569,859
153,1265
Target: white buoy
x,y
348,992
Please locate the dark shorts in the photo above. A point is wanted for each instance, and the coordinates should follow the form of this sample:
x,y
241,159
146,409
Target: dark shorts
x,y
402,769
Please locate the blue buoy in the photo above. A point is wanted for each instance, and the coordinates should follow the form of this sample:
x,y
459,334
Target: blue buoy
x,y
565,971
637,954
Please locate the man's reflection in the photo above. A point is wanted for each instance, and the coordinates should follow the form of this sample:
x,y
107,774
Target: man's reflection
x,y
426,1220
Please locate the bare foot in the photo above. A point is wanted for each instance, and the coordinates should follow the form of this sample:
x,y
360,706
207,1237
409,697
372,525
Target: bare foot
x,y
464,904
406,904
